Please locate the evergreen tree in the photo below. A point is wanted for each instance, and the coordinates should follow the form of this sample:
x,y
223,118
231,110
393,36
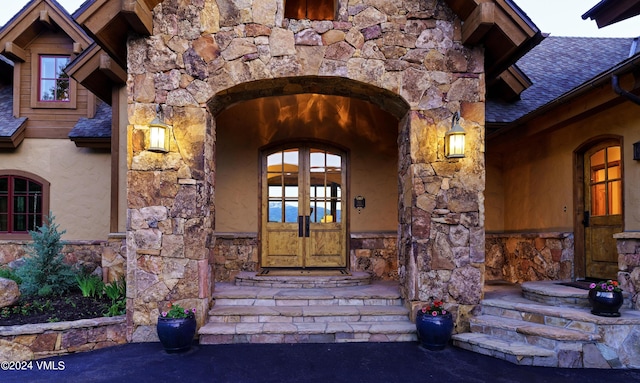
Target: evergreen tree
x,y
44,271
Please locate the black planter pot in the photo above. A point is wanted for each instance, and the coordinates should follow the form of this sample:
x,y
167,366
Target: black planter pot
x,y
434,332
176,334
605,303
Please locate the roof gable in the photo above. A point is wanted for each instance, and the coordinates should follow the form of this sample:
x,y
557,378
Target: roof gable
x,y
35,18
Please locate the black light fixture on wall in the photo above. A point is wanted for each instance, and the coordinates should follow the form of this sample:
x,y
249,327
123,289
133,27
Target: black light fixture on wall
x,y
158,135
636,151
454,139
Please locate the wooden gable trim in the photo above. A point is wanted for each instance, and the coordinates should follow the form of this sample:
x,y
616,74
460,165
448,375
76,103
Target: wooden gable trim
x,y
28,24
504,31
609,12
111,21
97,72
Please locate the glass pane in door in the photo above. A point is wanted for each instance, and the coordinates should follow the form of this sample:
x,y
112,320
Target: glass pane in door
x,y
283,194
325,186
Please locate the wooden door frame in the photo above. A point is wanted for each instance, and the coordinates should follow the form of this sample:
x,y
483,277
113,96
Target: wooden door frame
x,y
312,143
579,254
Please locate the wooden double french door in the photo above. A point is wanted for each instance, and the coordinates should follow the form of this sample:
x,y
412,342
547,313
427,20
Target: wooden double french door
x,y
303,207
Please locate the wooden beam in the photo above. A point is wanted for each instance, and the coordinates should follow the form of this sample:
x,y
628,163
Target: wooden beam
x,y
480,21
114,71
139,16
77,48
14,52
46,19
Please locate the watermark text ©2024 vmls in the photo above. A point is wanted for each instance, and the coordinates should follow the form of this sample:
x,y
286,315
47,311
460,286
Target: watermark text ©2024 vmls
x,y
30,365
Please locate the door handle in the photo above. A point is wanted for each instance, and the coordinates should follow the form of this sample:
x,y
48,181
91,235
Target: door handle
x,y
301,226
585,220
307,223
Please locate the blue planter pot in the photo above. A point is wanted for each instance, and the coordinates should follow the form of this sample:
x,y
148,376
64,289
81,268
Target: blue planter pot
x,y
176,334
434,332
605,303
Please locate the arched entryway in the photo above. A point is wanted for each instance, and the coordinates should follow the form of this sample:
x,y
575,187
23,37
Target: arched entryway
x,y
352,134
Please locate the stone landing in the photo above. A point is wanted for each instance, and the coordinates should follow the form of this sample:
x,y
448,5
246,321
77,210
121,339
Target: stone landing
x,y
551,332
371,312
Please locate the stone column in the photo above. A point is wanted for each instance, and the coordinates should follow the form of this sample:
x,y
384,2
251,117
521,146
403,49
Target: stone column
x,y
168,218
441,211
628,244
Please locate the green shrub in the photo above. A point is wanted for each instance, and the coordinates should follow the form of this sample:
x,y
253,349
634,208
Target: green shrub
x,y
44,272
117,292
90,285
7,273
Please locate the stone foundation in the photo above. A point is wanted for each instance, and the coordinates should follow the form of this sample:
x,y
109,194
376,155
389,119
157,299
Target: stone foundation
x,y
104,258
522,257
629,264
374,253
35,341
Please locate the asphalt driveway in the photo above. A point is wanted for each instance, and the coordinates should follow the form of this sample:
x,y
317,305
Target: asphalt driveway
x,y
281,363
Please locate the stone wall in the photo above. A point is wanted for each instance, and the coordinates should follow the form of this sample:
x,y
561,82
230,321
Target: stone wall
x,y
406,57
103,258
629,262
522,257
234,253
35,341
375,253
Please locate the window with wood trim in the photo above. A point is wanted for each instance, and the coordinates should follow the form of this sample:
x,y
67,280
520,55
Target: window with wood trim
x,y
23,201
54,83
310,9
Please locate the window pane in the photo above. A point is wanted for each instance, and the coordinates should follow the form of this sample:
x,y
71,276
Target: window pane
x,y
4,186
4,204
47,90
19,185
613,172
19,222
275,211
291,212
597,159
62,90
48,67
615,197
3,223
598,200
613,154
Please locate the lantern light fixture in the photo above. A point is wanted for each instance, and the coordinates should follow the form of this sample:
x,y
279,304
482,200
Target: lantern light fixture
x,y
158,135
454,139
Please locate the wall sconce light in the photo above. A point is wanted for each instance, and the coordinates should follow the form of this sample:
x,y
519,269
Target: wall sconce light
x,y
636,151
359,203
158,135
454,139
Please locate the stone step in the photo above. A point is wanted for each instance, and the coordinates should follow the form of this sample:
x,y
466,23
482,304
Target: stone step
x,y
307,314
318,332
514,352
555,294
550,337
379,293
573,318
303,281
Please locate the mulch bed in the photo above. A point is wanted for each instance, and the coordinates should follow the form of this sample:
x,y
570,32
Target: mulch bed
x,y
71,306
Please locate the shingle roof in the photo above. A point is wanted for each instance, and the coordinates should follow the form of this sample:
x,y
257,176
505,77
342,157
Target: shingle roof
x,y
556,66
8,124
97,127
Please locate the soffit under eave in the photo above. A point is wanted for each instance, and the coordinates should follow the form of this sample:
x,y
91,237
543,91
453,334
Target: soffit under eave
x,y
608,12
109,22
97,72
13,141
33,20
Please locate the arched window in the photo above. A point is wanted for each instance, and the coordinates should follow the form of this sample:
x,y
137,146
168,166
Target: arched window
x,y
24,198
310,9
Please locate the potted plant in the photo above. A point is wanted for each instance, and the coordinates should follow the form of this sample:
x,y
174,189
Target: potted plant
x,y
605,298
434,325
176,328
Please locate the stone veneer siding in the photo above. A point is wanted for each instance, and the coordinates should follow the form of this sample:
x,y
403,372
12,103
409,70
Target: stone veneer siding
x,y
629,263
522,257
404,56
35,341
375,253
105,258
